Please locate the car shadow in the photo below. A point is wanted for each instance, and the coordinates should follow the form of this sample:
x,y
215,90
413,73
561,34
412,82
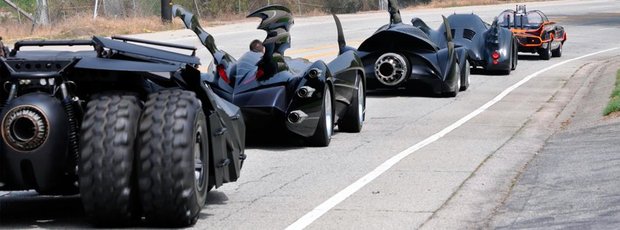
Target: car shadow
x,y
529,57
29,210
402,92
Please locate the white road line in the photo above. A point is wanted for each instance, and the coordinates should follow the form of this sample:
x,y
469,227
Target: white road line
x,y
330,203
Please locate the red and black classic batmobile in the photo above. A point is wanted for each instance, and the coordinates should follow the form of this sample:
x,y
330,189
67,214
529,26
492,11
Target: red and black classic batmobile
x,y
534,31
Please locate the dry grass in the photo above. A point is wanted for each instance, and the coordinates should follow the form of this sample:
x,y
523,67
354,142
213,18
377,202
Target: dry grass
x,y
454,3
80,27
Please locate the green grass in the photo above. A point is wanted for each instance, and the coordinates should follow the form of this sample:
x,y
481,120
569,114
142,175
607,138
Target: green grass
x,y
27,5
614,103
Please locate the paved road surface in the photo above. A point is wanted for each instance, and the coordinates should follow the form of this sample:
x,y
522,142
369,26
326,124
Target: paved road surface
x,y
455,182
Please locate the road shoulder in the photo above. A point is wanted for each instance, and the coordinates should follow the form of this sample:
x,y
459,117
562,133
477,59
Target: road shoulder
x,y
482,196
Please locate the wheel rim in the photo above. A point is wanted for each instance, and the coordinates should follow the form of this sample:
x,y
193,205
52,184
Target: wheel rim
x,y
360,101
329,124
199,172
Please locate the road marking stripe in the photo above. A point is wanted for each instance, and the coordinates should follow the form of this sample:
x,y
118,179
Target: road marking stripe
x,y
330,203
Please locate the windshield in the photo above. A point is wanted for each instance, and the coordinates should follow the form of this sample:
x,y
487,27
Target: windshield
x,y
532,20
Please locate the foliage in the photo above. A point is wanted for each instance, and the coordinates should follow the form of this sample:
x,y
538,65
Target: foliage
x,y
614,103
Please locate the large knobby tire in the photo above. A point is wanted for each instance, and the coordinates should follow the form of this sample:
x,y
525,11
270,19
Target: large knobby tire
x,y
324,130
545,53
353,120
465,74
557,52
106,172
173,163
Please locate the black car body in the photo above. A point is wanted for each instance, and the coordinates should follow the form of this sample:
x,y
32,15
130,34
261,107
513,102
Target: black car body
x,y
399,55
277,92
488,45
119,123
534,31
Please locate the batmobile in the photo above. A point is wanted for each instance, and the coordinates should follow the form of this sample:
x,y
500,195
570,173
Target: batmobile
x,y
276,92
398,55
534,32
491,47
128,127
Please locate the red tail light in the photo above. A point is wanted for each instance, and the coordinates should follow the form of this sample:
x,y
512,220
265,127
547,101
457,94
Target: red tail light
x,y
260,73
222,72
495,55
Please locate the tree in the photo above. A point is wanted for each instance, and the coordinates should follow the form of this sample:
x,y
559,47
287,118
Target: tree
x,y
42,14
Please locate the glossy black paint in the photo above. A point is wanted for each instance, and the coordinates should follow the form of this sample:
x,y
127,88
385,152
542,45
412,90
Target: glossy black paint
x,y
266,85
480,39
55,80
428,62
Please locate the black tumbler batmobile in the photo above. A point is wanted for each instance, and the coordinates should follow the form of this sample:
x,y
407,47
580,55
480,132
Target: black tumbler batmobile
x,y
276,92
491,47
128,127
398,55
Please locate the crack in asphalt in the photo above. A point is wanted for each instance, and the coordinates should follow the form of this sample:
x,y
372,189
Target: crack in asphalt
x,y
263,196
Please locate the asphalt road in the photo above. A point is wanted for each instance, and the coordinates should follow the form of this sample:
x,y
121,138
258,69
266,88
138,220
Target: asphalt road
x,y
457,180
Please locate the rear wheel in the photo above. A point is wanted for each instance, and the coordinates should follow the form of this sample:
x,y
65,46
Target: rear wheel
x,y
545,53
323,134
515,57
173,163
457,85
106,172
465,73
353,120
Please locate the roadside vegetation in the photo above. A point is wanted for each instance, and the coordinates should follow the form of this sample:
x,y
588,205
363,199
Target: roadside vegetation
x,y
74,19
614,103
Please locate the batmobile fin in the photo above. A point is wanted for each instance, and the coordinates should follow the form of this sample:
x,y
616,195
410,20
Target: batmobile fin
x,y
191,22
417,22
342,43
394,12
276,21
493,34
448,29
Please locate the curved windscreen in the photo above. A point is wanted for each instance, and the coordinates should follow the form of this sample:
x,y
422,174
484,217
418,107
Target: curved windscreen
x,y
531,20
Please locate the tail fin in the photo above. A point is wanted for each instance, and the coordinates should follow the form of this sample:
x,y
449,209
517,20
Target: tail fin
x,y
493,34
448,29
342,43
191,22
395,17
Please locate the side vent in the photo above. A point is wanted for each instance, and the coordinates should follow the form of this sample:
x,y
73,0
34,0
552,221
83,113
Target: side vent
x,y
469,34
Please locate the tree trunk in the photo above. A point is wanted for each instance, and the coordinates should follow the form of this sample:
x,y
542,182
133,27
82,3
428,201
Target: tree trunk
x,y
42,16
114,8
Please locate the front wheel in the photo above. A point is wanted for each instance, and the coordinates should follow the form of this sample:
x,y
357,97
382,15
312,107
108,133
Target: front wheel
x,y
558,52
324,130
173,163
353,120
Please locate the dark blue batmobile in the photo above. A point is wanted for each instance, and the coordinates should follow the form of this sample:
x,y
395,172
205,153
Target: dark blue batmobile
x,y
489,46
401,55
277,93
